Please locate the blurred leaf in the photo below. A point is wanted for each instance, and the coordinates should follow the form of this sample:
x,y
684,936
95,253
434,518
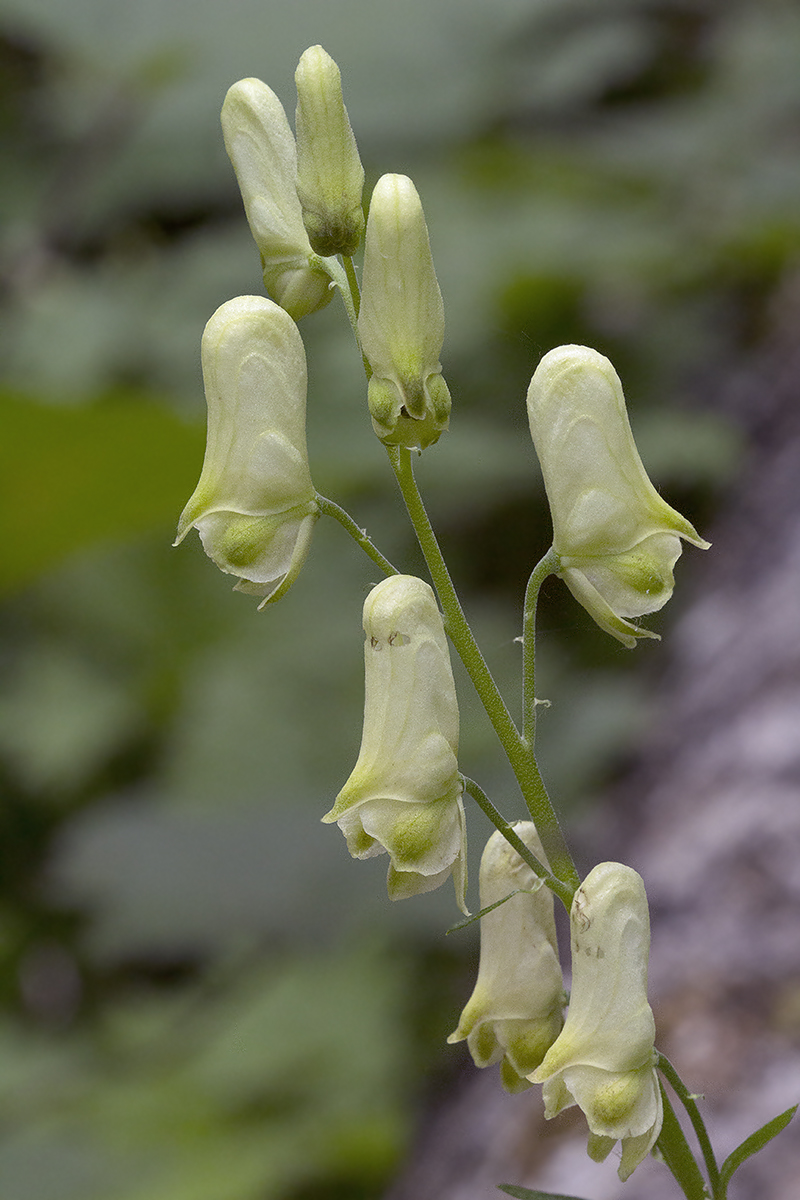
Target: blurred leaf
x,y
135,315
286,1072
78,476
522,1193
688,447
60,719
757,1141
427,92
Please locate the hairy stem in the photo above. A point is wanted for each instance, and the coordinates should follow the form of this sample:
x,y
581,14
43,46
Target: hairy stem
x,y
544,568
698,1124
519,754
352,302
329,509
340,279
677,1155
562,890
352,282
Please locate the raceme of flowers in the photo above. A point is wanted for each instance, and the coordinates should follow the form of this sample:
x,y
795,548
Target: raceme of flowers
x,y
615,541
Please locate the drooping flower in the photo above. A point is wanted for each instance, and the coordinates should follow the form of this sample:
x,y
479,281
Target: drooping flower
x,y
404,794
401,323
255,505
616,539
330,177
604,1058
262,149
514,1013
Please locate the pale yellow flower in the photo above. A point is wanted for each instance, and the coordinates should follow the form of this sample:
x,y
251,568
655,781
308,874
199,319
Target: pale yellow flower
x,y
604,1058
330,177
255,505
404,794
262,149
616,539
514,1013
401,324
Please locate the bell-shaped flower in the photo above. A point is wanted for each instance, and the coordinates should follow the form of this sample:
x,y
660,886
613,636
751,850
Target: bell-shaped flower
x,y
330,177
404,794
616,539
401,324
255,505
262,149
514,1013
603,1060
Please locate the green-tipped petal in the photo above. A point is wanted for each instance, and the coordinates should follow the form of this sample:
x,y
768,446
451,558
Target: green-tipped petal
x,y
262,150
254,506
404,793
401,324
616,539
514,1013
330,178
604,1057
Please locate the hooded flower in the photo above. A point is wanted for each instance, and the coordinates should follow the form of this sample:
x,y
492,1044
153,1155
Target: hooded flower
x,y
404,794
616,539
514,1013
401,324
262,149
603,1059
255,505
330,177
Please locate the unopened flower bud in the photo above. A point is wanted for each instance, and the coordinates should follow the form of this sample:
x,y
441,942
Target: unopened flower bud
x,y
262,150
616,539
255,504
330,177
404,794
604,1058
514,1013
401,324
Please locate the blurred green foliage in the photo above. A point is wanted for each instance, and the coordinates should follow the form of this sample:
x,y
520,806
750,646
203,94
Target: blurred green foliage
x,y
73,477
204,999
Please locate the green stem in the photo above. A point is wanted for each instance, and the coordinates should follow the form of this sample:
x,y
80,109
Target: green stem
x,y
698,1124
352,302
344,278
352,281
329,509
521,758
544,568
677,1155
562,890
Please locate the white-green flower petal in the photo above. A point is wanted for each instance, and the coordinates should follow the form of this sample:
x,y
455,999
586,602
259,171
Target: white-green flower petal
x,y
514,1013
254,506
616,539
404,793
603,1059
262,149
330,177
401,323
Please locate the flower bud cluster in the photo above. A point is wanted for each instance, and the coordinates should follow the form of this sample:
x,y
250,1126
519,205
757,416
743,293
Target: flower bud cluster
x,y
302,199
255,505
